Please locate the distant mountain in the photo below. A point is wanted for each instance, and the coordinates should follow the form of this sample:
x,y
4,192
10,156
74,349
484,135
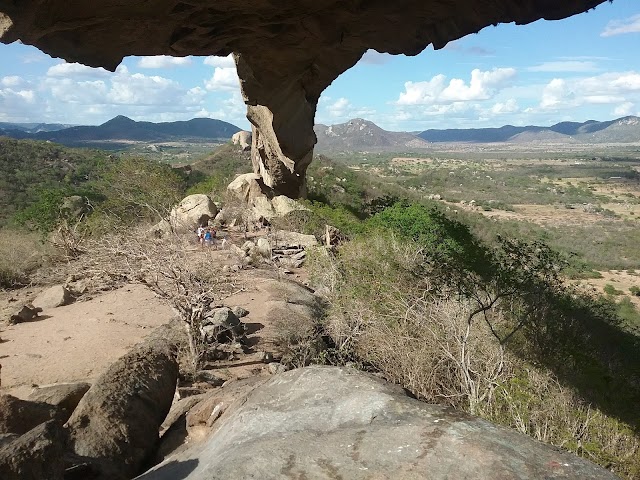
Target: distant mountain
x,y
124,129
622,130
359,134
29,128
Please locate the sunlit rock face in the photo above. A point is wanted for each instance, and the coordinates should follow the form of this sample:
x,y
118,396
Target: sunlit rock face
x,y
287,51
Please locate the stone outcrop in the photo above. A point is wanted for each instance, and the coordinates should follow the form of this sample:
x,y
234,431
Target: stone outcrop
x,y
63,395
19,416
287,52
53,297
116,423
329,422
36,455
192,211
243,139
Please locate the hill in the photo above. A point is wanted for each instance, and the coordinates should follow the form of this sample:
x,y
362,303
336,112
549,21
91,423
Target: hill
x,y
27,167
622,130
123,129
359,134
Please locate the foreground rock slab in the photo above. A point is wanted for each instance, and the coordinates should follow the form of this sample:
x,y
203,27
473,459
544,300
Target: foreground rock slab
x,y
330,422
36,455
116,423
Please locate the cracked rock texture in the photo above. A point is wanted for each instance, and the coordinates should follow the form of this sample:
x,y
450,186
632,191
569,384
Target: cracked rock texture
x,y
287,51
330,422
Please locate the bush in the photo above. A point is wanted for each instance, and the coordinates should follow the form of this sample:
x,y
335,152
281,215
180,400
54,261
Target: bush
x,y
611,290
511,343
21,253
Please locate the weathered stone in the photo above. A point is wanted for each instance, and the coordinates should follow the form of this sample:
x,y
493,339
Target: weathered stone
x,y
329,422
291,239
116,423
26,313
283,205
243,139
73,207
221,325
263,247
275,368
63,395
239,311
53,297
192,211
19,416
36,455
247,187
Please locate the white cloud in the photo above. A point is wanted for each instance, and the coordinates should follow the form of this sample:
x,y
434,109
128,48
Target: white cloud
x,y
224,78
608,88
10,81
75,70
619,27
624,109
510,106
17,105
565,66
338,108
222,62
482,86
163,61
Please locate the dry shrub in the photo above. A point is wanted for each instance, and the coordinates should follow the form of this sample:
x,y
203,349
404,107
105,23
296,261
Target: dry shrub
x,y
443,349
21,253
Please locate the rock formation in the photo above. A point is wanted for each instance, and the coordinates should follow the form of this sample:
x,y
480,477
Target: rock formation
x,y
329,422
286,52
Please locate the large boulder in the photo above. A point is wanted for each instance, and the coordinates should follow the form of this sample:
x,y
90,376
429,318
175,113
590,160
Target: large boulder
x,y
243,139
193,211
19,416
248,186
281,238
53,297
36,455
330,422
66,396
116,423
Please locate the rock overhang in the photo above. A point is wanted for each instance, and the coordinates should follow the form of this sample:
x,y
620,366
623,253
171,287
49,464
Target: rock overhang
x,y
286,52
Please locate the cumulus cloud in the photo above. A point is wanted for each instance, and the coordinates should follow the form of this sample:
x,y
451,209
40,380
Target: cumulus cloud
x,y
75,70
608,88
482,86
17,105
222,62
620,27
565,66
501,108
10,81
624,109
163,61
224,78
332,111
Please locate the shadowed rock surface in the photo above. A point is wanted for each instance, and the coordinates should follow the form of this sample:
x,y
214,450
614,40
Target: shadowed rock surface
x,y
329,422
288,52
19,416
117,421
36,455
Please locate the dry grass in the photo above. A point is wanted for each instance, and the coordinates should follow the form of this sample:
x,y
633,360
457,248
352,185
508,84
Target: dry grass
x,y
21,253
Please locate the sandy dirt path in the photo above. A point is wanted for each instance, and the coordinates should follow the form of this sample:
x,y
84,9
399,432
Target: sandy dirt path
x,y
78,341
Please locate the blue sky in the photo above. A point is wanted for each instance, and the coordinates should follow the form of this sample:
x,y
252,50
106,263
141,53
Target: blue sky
x,y
581,68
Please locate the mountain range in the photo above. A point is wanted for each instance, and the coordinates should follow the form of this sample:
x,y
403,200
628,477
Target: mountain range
x,y
122,128
355,135
621,130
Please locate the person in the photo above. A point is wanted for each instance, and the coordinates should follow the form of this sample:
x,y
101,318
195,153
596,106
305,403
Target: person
x,y
201,234
208,238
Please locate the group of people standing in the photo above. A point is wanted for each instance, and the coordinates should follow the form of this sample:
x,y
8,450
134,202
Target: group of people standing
x,y
207,236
